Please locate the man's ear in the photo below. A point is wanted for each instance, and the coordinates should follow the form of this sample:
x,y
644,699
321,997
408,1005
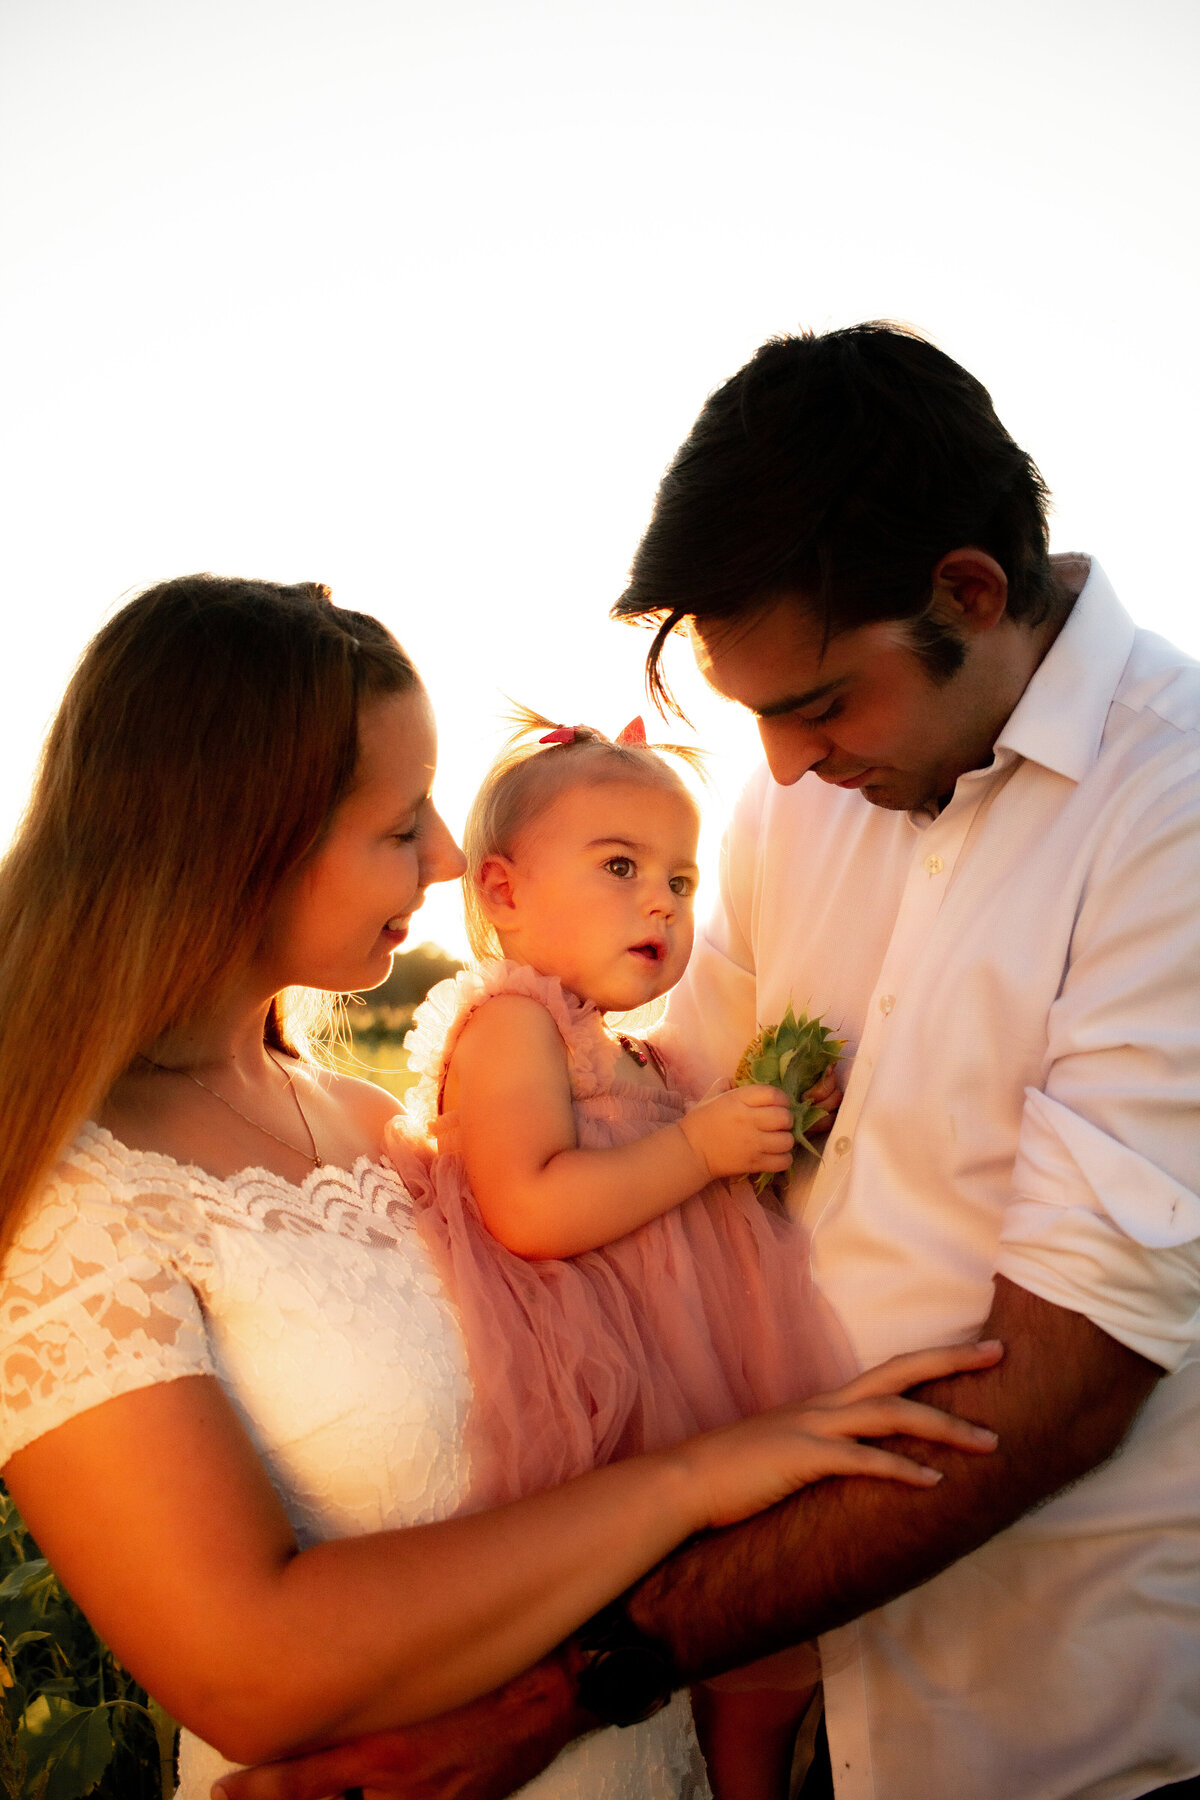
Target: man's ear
x,y
495,886
970,589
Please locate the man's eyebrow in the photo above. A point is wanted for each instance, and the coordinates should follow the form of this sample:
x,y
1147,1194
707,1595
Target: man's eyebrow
x,y
792,702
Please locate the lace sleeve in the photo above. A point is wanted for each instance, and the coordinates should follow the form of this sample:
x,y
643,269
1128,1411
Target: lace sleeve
x,y
96,1301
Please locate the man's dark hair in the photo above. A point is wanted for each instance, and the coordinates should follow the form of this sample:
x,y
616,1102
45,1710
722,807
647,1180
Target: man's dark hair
x,y
840,469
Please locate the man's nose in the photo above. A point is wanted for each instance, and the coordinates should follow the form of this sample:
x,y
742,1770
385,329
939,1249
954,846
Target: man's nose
x,y
792,747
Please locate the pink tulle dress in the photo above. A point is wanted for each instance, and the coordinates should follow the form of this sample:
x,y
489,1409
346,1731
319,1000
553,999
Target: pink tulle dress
x,y
695,1319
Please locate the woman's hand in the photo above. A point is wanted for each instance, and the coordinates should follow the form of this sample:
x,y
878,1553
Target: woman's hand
x,y
743,1468
743,1131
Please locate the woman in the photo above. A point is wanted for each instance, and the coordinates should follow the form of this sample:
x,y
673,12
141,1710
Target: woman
x,y
229,1374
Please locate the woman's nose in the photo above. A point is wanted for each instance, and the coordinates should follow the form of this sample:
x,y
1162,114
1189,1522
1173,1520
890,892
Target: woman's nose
x,y
443,860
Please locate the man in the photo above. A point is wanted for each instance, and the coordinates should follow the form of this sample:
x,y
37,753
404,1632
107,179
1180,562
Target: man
x,y
990,887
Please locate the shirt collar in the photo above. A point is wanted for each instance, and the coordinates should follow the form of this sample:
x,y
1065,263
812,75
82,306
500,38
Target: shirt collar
x,y
1060,718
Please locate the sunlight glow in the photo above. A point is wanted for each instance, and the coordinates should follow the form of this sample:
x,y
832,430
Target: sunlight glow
x,y
419,301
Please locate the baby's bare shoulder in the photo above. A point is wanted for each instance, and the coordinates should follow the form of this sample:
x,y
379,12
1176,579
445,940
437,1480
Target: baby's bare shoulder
x,y
508,1018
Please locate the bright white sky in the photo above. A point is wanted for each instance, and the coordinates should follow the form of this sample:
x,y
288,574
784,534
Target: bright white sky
x,y
418,299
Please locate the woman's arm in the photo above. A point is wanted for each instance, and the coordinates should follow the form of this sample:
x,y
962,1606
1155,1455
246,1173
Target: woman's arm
x,y
161,1521
538,1192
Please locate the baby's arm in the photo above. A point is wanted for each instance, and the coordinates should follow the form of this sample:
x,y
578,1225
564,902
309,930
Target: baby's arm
x,y
538,1192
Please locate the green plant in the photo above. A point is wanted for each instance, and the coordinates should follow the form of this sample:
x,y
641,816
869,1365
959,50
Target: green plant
x,y
73,1722
792,1055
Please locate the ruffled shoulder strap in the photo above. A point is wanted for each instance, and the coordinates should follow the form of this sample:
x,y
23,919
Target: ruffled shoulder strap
x,y
592,1055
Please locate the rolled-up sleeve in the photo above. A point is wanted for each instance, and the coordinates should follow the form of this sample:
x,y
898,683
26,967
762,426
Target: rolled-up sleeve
x,y
1105,1218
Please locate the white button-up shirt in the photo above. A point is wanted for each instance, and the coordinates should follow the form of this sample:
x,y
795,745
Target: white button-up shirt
x,y
1018,981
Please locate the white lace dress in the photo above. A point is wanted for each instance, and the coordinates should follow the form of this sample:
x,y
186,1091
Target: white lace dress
x,y
319,1312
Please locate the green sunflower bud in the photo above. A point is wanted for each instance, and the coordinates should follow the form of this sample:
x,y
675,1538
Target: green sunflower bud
x,y
792,1055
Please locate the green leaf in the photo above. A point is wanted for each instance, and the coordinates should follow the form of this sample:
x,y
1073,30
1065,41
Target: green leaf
x,y
72,1744
27,1577
792,1055
11,1522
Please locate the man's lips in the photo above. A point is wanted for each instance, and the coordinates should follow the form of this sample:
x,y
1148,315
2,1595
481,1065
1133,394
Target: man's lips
x,y
847,781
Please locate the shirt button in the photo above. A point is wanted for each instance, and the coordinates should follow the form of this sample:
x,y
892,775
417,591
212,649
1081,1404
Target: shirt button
x,y
886,1003
841,1146
934,865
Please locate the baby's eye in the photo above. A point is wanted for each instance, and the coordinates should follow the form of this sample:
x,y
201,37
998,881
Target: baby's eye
x,y
620,866
683,885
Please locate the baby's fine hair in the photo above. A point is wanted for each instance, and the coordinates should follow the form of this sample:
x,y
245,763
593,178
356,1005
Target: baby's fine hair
x,y
529,776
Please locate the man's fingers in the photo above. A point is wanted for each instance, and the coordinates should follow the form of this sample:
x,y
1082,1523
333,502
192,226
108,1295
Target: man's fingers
x,y
823,1090
324,1774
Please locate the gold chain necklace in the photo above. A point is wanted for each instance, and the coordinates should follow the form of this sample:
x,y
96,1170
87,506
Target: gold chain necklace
x,y
312,1155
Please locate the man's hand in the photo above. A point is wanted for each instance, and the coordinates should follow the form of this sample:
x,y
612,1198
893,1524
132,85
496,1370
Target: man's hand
x,y
480,1752
827,1094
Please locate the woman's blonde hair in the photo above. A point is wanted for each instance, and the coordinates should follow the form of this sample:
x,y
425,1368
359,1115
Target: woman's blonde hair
x,y
201,748
529,776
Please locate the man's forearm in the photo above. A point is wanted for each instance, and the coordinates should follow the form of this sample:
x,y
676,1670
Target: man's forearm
x,y
1061,1401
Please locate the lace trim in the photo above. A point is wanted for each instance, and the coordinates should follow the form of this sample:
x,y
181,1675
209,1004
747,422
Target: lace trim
x,y
103,1287
591,1054
367,1202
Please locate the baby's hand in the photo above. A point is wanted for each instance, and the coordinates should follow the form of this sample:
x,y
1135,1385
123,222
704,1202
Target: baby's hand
x,y
827,1094
743,1132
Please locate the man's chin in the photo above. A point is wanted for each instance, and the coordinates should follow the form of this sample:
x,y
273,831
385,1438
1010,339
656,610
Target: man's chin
x,y
901,797
890,798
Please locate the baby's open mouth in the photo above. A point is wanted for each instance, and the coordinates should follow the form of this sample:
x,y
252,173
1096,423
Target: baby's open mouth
x,y
651,952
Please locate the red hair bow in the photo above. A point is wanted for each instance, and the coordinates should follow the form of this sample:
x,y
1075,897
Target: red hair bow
x,y
633,733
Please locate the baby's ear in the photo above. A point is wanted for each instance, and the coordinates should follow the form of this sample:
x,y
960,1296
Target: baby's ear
x,y
495,886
